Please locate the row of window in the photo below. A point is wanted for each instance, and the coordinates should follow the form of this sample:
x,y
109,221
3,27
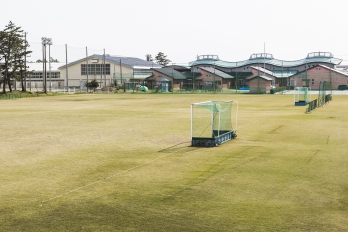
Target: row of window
x,y
95,69
142,71
40,75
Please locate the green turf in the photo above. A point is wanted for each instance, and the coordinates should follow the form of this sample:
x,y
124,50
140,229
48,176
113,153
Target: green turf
x,y
123,162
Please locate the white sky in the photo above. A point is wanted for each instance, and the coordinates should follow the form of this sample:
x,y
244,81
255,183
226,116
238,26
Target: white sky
x,y
182,29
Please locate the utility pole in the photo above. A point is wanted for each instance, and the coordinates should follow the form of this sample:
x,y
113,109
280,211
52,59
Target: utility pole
x,y
49,61
214,79
25,61
121,71
330,79
236,79
66,66
193,78
104,68
87,69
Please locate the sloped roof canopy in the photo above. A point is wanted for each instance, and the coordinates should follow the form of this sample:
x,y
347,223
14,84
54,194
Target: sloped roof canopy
x,y
323,66
261,76
263,70
217,72
179,67
170,72
278,73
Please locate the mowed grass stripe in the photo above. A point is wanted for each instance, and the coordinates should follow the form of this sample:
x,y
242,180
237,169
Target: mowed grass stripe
x,y
286,171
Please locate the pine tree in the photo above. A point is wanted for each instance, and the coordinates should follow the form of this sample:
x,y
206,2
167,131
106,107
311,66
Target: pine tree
x,y
13,49
162,59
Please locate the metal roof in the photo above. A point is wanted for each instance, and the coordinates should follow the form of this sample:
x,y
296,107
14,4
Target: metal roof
x,y
263,70
171,73
274,62
130,62
276,73
178,66
263,77
217,72
190,75
333,70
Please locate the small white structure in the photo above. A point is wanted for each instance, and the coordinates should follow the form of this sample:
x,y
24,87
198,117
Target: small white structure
x,y
302,96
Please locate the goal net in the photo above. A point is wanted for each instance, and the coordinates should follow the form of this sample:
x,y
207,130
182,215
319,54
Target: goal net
x,y
211,122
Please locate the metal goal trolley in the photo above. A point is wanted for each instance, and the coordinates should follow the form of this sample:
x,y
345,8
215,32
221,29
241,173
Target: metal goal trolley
x,y
211,122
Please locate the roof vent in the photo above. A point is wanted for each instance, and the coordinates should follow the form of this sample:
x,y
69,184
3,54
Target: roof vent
x,y
208,57
320,54
261,56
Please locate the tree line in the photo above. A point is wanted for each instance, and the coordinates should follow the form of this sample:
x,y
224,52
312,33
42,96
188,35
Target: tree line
x,y
13,52
160,58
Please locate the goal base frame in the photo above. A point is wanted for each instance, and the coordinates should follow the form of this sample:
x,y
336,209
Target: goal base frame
x,y
213,141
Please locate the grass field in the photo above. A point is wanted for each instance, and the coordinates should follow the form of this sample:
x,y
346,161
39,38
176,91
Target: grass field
x,y
123,162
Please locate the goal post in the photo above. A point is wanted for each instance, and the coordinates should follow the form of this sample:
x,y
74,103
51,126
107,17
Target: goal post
x,y
211,122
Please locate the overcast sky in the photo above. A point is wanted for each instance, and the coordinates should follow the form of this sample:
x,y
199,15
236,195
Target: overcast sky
x,y
182,29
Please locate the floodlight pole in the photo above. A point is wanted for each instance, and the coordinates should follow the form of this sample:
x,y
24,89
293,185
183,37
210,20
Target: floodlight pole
x,y
49,42
43,64
45,41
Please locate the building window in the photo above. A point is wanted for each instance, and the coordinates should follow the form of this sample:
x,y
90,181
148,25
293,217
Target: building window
x,y
142,73
36,75
293,82
95,69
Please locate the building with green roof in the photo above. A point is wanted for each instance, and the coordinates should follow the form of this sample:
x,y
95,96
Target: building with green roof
x,y
237,74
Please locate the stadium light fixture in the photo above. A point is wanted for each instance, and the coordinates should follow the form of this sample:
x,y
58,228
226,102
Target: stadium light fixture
x,y
46,41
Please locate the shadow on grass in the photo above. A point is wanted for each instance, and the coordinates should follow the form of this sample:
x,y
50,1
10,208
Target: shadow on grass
x,y
182,147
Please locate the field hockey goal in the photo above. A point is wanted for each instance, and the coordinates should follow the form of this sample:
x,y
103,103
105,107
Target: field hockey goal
x,y
211,122
302,96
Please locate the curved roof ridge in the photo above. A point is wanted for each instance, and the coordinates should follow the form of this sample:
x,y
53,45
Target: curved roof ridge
x,y
275,62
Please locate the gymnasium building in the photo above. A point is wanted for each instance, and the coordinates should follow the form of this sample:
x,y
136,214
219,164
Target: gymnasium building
x,y
107,70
